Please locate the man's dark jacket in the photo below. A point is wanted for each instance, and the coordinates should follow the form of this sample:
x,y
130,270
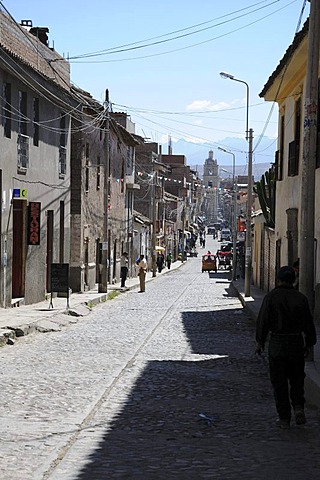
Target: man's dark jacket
x,y
285,311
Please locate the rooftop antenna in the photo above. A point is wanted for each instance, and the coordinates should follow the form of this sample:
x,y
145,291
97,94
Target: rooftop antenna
x,y
145,136
170,146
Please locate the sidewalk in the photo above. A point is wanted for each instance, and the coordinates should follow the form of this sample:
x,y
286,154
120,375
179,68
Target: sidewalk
x,y
41,317
252,306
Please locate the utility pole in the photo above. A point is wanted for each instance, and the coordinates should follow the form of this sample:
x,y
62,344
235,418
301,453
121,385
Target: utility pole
x,y
248,253
105,244
308,164
154,220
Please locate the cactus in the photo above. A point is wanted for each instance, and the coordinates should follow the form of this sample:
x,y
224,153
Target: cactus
x,y
266,191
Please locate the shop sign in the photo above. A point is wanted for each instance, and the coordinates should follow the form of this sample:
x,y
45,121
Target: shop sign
x,y
34,223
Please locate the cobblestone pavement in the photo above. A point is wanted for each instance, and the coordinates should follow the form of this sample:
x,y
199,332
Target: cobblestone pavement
x,y
161,385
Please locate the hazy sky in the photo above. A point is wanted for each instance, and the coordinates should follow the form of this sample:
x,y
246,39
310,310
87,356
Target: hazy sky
x,y
173,86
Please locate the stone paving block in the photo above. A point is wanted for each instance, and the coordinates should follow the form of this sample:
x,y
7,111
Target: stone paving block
x,y
79,310
22,330
5,335
45,326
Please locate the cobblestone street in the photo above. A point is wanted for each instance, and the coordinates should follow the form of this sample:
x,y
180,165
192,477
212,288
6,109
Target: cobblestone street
x,y
161,385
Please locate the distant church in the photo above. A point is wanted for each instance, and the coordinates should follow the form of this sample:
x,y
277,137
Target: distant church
x,y
211,182
211,172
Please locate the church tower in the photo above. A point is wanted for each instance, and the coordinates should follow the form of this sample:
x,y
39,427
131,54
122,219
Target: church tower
x,y
211,183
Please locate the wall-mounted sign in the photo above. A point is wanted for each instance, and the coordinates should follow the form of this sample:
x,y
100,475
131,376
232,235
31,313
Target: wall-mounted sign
x,y
34,212
20,193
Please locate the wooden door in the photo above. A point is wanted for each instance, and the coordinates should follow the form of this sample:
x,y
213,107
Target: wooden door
x,y
19,248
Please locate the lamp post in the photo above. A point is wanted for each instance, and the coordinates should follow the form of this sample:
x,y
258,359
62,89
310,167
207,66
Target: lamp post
x,y
234,233
249,138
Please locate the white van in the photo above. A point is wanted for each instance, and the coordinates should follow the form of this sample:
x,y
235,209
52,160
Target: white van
x,y
225,235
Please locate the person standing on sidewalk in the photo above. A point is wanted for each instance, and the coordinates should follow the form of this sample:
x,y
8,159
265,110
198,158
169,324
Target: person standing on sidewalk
x,y
169,260
286,316
142,273
124,268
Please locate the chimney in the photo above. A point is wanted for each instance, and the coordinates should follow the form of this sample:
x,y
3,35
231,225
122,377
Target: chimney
x,y
41,34
27,24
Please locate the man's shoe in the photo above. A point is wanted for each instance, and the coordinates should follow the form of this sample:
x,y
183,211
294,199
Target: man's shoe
x,y
284,424
300,416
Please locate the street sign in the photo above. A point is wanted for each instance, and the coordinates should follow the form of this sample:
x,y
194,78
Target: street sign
x,y
20,193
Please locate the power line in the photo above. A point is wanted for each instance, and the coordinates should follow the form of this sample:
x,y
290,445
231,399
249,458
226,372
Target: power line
x,y
192,45
280,83
131,46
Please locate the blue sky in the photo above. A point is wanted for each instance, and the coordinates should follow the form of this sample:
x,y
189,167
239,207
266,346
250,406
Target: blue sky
x,y
179,93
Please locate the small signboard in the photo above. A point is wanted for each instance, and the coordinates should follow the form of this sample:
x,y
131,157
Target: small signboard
x,y
20,193
60,280
60,277
34,210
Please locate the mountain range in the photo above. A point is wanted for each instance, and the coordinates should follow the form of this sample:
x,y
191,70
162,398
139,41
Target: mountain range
x,y
196,153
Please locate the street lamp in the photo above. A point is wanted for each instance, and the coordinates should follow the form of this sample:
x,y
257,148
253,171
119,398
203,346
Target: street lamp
x,y
234,255
249,138
228,76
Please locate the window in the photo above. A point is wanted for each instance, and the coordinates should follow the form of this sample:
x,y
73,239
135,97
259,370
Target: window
x,y
279,160
87,168
98,174
130,159
6,111
122,178
297,121
36,121
294,146
23,152
293,160
62,162
63,133
62,147
318,130
22,118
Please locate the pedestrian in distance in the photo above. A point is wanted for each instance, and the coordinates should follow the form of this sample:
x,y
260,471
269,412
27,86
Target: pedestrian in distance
x,y
160,262
169,260
142,273
286,318
124,262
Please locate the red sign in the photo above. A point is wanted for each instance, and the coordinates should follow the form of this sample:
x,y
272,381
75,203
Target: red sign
x,y
34,223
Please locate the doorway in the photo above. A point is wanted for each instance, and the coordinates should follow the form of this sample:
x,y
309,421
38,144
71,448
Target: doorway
x,y
19,248
49,247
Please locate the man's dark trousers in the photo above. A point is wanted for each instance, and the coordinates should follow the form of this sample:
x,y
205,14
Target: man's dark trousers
x,y
123,274
286,364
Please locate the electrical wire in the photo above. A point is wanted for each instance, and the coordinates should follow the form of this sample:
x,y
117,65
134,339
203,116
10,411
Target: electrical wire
x,y
121,50
281,81
192,45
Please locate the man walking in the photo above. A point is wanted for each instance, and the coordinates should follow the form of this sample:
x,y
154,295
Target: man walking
x,y
286,316
124,268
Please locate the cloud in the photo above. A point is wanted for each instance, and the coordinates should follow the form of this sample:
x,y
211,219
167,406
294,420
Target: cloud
x,y
207,106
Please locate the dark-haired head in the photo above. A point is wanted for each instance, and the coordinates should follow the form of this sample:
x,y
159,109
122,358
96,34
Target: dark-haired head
x,y
286,275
